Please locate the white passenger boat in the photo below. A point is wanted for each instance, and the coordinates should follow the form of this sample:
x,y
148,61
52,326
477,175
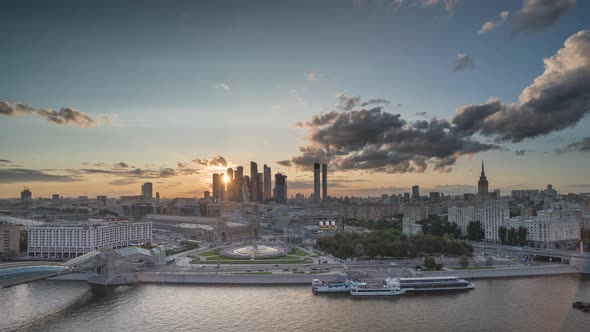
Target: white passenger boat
x,y
433,284
390,287
318,286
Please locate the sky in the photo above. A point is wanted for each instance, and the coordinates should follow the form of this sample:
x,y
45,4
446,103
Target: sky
x,y
99,97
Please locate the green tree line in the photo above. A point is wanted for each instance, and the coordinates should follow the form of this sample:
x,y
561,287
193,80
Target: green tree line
x,y
390,243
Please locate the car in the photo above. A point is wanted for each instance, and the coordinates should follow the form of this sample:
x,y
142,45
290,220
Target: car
x,y
248,270
260,270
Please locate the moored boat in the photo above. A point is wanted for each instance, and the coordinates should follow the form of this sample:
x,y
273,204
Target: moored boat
x,y
390,287
434,284
318,286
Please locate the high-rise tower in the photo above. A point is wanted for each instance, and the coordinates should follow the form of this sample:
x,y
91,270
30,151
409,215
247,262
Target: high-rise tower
x,y
280,188
316,183
146,191
267,183
482,185
238,184
253,182
215,187
324,181
229,191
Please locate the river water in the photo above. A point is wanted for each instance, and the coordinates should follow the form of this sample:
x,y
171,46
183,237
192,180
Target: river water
x,y
516,304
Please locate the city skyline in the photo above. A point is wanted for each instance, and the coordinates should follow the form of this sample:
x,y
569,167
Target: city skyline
x,y
388,97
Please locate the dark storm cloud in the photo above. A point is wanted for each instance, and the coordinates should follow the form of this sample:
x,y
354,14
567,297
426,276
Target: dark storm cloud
x,y
12,175
463,62
5,161
536,15
580,146
64,116
556,100
378,141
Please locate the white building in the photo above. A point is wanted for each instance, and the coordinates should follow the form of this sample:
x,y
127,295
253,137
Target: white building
x,y
412,214
72,240
549,233
495,213
462,216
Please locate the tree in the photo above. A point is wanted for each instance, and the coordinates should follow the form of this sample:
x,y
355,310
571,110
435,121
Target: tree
x,y
502,234
512,236
24,240
490,261
429,263
474,231
359,250
463,261
522,234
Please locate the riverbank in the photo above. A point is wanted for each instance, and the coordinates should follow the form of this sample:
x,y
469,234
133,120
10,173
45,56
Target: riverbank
x,y
305,279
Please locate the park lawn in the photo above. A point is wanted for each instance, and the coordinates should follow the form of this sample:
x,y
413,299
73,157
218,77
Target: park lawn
x,y
262,261
214,252
471,268
298,252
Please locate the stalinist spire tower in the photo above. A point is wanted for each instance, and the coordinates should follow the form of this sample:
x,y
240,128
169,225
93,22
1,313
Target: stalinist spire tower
x,y
482,186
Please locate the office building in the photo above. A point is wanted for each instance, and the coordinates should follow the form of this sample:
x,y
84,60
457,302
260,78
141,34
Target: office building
x,y
253,182
267,183
65,241
316,183
206,194
215,187
324,181
229,185
239,184
415,193
26,195
434,197
55,198
9,239
221,188
260,187
146,191
281,188
101,200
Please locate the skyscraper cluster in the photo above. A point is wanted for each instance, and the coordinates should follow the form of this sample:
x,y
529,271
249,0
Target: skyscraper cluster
x,y
234,186
316,182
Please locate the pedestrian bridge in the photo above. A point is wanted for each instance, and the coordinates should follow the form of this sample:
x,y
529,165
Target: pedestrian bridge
x,y
103,262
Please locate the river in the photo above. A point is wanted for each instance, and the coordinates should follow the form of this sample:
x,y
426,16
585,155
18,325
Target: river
x,y
523,304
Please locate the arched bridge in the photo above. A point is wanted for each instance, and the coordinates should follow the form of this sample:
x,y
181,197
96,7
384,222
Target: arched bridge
x,y
104,262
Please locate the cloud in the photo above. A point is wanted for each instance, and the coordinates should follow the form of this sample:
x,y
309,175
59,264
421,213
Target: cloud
x,y
347,103
580,146
520,152
181,165
378,141
12,175
217,161
286,163
536,15
493,24
5,161
557,99
167,172
448,5
422,114
123,182
222,86
121,164
312,76
463,62
65,116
